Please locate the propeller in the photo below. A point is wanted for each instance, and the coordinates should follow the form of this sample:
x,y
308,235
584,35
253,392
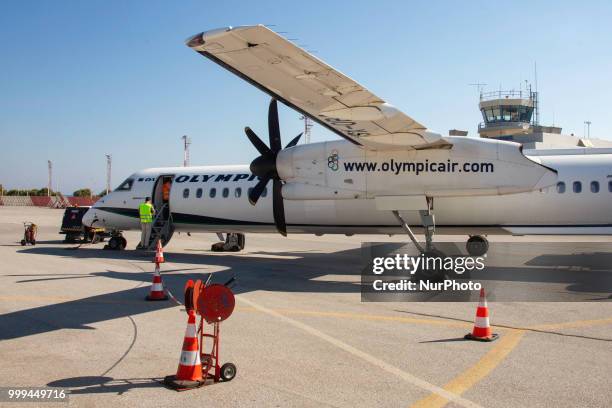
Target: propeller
x,y
264,166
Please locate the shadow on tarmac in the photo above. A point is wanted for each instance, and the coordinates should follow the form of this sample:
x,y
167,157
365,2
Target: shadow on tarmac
x,y
293,271
100,384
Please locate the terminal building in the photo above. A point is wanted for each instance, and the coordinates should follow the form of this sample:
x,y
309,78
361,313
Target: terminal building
x,y
514,116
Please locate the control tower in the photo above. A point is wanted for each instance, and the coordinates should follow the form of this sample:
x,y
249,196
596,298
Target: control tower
x,y
507,113
514,116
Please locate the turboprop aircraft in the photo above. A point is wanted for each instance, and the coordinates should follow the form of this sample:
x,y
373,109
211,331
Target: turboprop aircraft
x,y
389,174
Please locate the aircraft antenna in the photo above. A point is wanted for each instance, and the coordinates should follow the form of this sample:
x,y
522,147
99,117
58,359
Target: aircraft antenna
x,y
109,160
307,126
50,169
186,143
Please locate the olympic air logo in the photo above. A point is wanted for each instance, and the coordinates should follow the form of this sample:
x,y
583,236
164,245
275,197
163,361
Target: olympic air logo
x,y
204,178
332,160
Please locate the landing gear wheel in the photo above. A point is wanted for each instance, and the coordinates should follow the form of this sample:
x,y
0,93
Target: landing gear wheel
x,y
477,245
123,242
228,371
114,243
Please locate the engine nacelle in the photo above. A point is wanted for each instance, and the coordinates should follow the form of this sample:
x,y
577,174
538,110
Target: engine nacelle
x,y
342,170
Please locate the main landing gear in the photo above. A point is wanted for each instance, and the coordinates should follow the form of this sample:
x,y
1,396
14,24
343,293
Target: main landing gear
x,y
429,251
476,245
117,242
233,242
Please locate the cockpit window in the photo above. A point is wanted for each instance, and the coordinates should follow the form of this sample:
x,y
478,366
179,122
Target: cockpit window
x,y
126,185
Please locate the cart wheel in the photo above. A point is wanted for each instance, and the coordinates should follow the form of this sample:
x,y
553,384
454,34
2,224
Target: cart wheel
x,y
228,371
23,242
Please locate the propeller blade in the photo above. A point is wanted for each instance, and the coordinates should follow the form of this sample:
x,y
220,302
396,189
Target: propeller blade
x,y
294,141
278,207
256,141
257,190
273,127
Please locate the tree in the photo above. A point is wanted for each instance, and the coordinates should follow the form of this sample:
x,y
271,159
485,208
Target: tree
x,y
83,192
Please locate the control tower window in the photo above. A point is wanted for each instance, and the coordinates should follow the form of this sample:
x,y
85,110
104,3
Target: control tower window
x,y
126,185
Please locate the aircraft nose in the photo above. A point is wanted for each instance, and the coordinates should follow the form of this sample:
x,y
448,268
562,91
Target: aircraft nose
x,y
89,217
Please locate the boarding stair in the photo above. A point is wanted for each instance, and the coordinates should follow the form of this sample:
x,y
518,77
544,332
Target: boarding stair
x,y
161,228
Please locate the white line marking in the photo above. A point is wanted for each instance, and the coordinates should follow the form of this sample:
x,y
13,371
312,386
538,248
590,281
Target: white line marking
x,y
365,356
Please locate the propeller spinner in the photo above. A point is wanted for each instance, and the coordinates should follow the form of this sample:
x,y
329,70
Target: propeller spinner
x,y
264,166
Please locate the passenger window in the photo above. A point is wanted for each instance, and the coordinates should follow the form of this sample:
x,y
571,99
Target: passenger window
x,y
199,193
186,193
610,186
237,192
225,192
212,193
594,187
560,187
264,192
577,186
126,185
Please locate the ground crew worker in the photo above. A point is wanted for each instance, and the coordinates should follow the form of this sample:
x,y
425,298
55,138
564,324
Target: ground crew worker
x,y
146,212
166,191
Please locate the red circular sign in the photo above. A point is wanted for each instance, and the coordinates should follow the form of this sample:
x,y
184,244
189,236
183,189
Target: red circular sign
x,y
216,303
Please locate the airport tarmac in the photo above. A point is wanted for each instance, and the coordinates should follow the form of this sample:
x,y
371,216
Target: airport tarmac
x,y
300,335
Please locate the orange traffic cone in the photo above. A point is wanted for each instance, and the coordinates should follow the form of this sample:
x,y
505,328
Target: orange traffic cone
x,y
189,373
482,327
157,289
159,253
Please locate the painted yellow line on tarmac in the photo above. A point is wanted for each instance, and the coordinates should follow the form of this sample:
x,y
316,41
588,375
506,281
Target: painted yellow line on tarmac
x,y
359,316
477,372
383,365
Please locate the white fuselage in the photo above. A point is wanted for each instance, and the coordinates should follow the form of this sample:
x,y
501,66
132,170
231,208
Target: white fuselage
x,y
214,199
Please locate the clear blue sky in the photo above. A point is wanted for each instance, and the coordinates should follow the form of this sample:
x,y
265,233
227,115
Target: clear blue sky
x,y
83,78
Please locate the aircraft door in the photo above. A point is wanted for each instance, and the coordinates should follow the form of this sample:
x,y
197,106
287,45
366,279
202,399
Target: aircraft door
x,y
161,194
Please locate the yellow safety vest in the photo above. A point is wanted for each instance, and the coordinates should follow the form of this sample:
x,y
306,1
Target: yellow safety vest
x,y
146,213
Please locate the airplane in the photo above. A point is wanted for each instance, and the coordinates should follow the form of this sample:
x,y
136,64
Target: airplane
x,y
388,174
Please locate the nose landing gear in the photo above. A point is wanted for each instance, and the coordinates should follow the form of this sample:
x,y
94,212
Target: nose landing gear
x,y
117,242
233,243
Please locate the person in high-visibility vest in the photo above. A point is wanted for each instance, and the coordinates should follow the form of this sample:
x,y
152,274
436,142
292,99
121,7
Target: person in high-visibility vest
x,y
146,212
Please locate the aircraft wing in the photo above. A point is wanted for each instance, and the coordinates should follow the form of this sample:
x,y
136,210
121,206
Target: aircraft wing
x,y
301,81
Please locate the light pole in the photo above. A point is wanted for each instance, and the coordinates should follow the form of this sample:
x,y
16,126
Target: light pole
x,y
307,126
186,143
588,126
50,169
109,165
